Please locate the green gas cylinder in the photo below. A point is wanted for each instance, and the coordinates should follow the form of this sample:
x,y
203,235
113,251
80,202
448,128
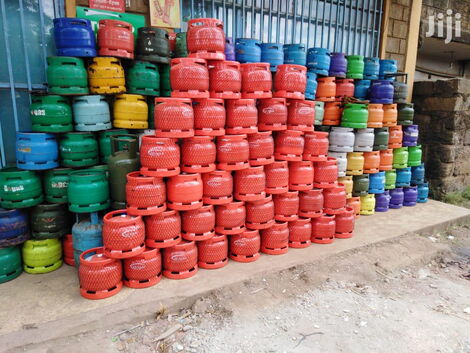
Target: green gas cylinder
x,y
355,116
181,49
50,114
10,263
143,78
400,157
78,149
66,76
406,114
105,142
19,188
165,87
360,185
390,179
50,221
56,182
88,191
415,154
355,67
42,256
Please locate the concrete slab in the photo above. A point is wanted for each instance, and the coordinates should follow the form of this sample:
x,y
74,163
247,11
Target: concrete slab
x,y
51,303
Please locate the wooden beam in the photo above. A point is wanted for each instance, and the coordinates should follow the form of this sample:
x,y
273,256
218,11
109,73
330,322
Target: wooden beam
x,y
412,44
384,29
70,8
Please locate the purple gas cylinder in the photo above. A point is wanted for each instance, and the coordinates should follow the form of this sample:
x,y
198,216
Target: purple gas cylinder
x,y
381,201
410,135
338,65
396,198
411,196
229,49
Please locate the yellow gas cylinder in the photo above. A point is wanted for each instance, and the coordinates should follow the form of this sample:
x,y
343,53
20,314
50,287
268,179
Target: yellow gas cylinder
x,y
130,112
368,204
355,163
106,76
347,181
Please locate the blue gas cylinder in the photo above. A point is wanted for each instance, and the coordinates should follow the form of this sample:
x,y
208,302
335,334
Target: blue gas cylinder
x,y
312,84
14,227
423,192
381,92
295,54
417,174
91,113
273,54
248,50
318,60
36,151
387,67
403,177
361,89
86,234
74,37
377,183
371,68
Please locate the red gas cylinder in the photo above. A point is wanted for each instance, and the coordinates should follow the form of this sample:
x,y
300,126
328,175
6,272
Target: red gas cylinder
x,y
233,152
184,192
172,40
242,117
159,156
213,253
189,78
123,235
163,230
217,187
230,218
206,39
67,247
145,195
300,232
245,247
174,117
311,203
301,115
250,184
334,200
395,138
260,214
209,117
316,146
371,162
275,239
225,80
286,206
289,145
256,80
300,175
345,224
144,270
115,38
272,114
332,114
100,276
386,159
344,88
180,260
198,154
290,81
323,229
326,89
277,177
198,224
355,204
325,173
261,148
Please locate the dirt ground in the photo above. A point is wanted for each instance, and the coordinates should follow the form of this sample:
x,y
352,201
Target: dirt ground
x,y
378,299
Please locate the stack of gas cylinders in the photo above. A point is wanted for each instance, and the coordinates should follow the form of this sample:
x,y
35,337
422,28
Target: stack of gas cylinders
x,y
260,148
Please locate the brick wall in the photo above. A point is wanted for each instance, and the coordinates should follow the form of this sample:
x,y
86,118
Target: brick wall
x,y
398,31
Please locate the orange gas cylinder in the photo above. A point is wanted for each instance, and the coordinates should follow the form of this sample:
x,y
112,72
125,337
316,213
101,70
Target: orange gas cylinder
x,y
332,114
300,232
311,203
180,260
123,235
217,187
301,115
371,162
345,224
325,173
344,88
261,148
334,200
355,204
189,78
198,154
376,116
326,89
225,79
386,159
206,39
286,206
290,81
316,146
242,117
115,38
233,152
289,145
159,156
277,177
260,214
163,230
213,253
144,270
395,137
275,239
256,80
390,115
209,117
272,114
67,247
300,175
245,247
174,117
323,229
198,224
250,184
100,276
184,192
230,218
145,195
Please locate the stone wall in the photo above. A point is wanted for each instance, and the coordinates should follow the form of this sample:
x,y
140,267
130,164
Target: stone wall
x,y
442,111
398,31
